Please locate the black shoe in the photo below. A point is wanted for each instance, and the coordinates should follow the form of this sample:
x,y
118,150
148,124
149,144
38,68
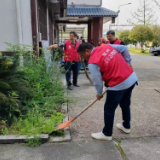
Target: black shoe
x,y
69,83
70,87
76,85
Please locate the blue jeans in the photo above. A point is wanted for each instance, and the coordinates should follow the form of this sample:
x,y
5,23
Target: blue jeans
x,y
79,65
123,98
71,67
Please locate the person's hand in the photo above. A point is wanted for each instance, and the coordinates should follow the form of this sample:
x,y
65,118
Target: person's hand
x,y
99,97
80,58
52,46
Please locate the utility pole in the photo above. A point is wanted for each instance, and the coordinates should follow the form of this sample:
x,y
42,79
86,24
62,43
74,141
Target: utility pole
x,y
144,12
119,11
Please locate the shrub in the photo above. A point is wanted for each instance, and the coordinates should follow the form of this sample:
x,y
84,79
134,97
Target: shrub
x,y
31,94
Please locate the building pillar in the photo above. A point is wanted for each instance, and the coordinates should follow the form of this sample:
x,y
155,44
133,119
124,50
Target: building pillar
x,y
97,30
89,32
48,29
92,32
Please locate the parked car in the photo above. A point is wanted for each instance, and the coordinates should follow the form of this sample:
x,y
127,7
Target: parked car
x,y
155,51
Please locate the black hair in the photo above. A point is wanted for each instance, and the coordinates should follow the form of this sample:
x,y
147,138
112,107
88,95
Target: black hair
x,y
83,46
74,33
111,32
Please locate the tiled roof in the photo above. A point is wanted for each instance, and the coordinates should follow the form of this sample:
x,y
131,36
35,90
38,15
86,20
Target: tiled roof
x,y
90,12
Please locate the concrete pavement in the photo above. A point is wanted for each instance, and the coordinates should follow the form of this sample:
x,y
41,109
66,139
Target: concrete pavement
x,y
93,150
145,104
141,144
147,148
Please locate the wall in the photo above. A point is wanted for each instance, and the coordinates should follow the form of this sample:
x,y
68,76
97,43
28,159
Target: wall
x,y
26,22
9,25
85,2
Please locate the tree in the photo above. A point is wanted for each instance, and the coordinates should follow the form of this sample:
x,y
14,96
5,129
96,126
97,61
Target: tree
x,y
144,14
85,33
141,34
157,3
124,36
156,32
13,83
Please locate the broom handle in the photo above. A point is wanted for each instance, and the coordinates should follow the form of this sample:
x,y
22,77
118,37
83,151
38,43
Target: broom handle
x,y
82,60
88,106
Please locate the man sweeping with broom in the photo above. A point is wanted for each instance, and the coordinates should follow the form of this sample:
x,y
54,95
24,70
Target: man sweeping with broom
x,y
111,64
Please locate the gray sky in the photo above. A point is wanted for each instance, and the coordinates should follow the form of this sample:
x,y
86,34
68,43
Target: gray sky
x,y
125,11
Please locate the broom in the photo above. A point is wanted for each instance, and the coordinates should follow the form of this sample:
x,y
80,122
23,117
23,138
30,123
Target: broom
x,y
68,123
87,75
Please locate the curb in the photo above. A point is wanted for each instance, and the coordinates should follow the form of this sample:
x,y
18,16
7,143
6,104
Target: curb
x,y
11,139
67,135
65,138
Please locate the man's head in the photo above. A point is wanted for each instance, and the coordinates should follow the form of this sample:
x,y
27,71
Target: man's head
x,y
77,36
73,36
84,50
111,35
103,40
81,38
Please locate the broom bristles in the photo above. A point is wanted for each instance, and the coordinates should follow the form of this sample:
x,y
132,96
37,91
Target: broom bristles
x,y
64,125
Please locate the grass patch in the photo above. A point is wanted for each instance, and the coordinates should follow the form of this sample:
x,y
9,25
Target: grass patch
x,y
139,51
34,142
34,124
118,146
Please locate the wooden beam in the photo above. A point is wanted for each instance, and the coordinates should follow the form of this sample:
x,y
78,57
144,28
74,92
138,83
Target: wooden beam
x,y
89,32
67,22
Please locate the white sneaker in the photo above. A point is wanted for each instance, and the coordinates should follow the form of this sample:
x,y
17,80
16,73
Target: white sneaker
x,y
121,127
101,136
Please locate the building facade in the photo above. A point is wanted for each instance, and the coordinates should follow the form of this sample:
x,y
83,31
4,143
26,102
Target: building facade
x,y
31,22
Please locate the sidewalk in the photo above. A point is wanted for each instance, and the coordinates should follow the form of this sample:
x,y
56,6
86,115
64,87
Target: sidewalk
x,y
142,148
93,150
142,144
145,111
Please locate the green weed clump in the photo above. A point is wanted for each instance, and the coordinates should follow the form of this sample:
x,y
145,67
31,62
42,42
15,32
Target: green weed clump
x,y
34,124
31,93
34,142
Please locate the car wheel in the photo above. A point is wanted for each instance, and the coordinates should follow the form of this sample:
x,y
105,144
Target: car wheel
x,y
155,54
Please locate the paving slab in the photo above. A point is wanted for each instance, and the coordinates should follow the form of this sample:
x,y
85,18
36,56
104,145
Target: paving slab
x,y
88,150
142,149
157,90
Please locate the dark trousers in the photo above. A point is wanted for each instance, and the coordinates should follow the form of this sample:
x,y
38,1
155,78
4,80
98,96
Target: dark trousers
x,y
123,98
71,67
